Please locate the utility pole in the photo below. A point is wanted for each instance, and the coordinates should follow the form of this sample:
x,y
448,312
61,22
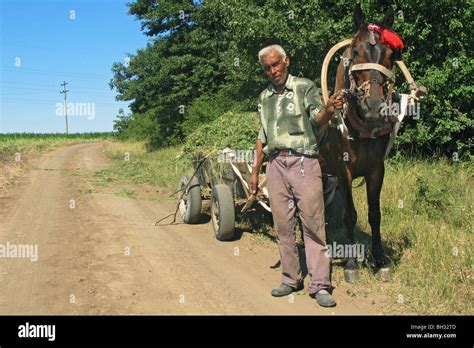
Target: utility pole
x,y
65,102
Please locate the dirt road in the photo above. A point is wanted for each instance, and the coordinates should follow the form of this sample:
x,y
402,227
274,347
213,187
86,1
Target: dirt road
x,y
100,253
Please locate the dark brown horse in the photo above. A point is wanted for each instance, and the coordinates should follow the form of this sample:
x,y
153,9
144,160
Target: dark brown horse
x,y
360,151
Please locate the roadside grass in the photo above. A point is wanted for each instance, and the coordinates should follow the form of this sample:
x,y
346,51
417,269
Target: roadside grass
x,y
124,192
134,165
427,232
426,226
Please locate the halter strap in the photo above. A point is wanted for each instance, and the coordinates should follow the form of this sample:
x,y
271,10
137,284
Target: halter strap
x,y
373,66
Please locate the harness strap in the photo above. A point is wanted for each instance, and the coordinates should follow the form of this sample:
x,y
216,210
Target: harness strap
x,y
403,106
373,66
330,189
330,197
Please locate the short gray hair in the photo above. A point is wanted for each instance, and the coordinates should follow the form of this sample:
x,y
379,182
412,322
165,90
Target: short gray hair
x,y
266,50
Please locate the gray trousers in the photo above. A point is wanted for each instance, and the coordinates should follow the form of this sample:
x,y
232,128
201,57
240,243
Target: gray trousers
x,y
289,190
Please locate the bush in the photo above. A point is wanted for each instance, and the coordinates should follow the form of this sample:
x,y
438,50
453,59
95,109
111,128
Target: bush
x,y
205,109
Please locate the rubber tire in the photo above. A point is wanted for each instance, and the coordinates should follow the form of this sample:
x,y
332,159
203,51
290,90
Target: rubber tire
x,y
224,228
191,212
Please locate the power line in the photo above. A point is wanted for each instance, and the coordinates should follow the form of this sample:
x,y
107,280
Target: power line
x,y
28,84
9,68
41,87
79,91
44,72
43,101
31,89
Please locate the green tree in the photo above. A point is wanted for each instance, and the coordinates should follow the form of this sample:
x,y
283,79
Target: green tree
x,y
203,56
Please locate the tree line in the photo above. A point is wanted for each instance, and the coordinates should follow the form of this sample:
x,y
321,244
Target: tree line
x,y
201,61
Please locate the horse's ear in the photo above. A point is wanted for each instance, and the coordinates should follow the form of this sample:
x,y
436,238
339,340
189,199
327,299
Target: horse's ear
x,y
389,18
358,17
397,55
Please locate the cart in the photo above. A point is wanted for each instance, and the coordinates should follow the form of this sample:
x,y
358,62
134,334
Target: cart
x,y
229,193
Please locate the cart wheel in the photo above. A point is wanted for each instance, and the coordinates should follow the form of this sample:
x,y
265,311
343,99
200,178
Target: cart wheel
x,y
222,212
190,203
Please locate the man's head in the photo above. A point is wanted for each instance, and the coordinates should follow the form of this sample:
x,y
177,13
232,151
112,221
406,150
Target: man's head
x,y
275,63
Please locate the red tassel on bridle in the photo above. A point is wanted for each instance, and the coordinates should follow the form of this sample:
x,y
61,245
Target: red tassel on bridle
x,y
387,37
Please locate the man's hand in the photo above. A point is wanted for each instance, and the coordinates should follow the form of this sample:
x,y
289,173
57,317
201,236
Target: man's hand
x,y
253,184
328,112
335,102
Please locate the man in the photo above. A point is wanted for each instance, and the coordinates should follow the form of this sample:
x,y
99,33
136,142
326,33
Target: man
x,y
290,111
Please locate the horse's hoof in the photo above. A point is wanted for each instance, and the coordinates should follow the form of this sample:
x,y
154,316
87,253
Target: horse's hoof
x,y
385,274
351,275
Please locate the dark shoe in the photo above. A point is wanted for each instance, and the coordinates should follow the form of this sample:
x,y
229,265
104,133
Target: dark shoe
x,y
285,289
324,298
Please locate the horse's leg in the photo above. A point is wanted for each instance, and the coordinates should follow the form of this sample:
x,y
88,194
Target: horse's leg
x,y
374,186
351,269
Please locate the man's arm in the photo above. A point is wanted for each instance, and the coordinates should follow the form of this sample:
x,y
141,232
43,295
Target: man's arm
x,y
322,113
253,185
324,116
259,160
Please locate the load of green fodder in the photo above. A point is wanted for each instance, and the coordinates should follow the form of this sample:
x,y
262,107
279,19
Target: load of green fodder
x,y
237,130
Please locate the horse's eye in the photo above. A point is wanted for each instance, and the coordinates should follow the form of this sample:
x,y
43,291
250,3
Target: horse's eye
x,y
355,51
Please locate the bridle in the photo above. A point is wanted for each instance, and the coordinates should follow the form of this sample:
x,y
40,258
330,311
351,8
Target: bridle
x,y
354,95
351,91
415,92
363,91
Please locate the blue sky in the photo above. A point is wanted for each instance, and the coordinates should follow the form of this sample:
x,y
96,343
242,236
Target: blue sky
x,y
42,45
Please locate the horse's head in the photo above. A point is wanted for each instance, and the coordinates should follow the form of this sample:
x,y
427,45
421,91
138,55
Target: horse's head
x,y
368,66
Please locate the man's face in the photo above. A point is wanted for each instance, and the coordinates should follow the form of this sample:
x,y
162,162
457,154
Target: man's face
x,y
275,68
